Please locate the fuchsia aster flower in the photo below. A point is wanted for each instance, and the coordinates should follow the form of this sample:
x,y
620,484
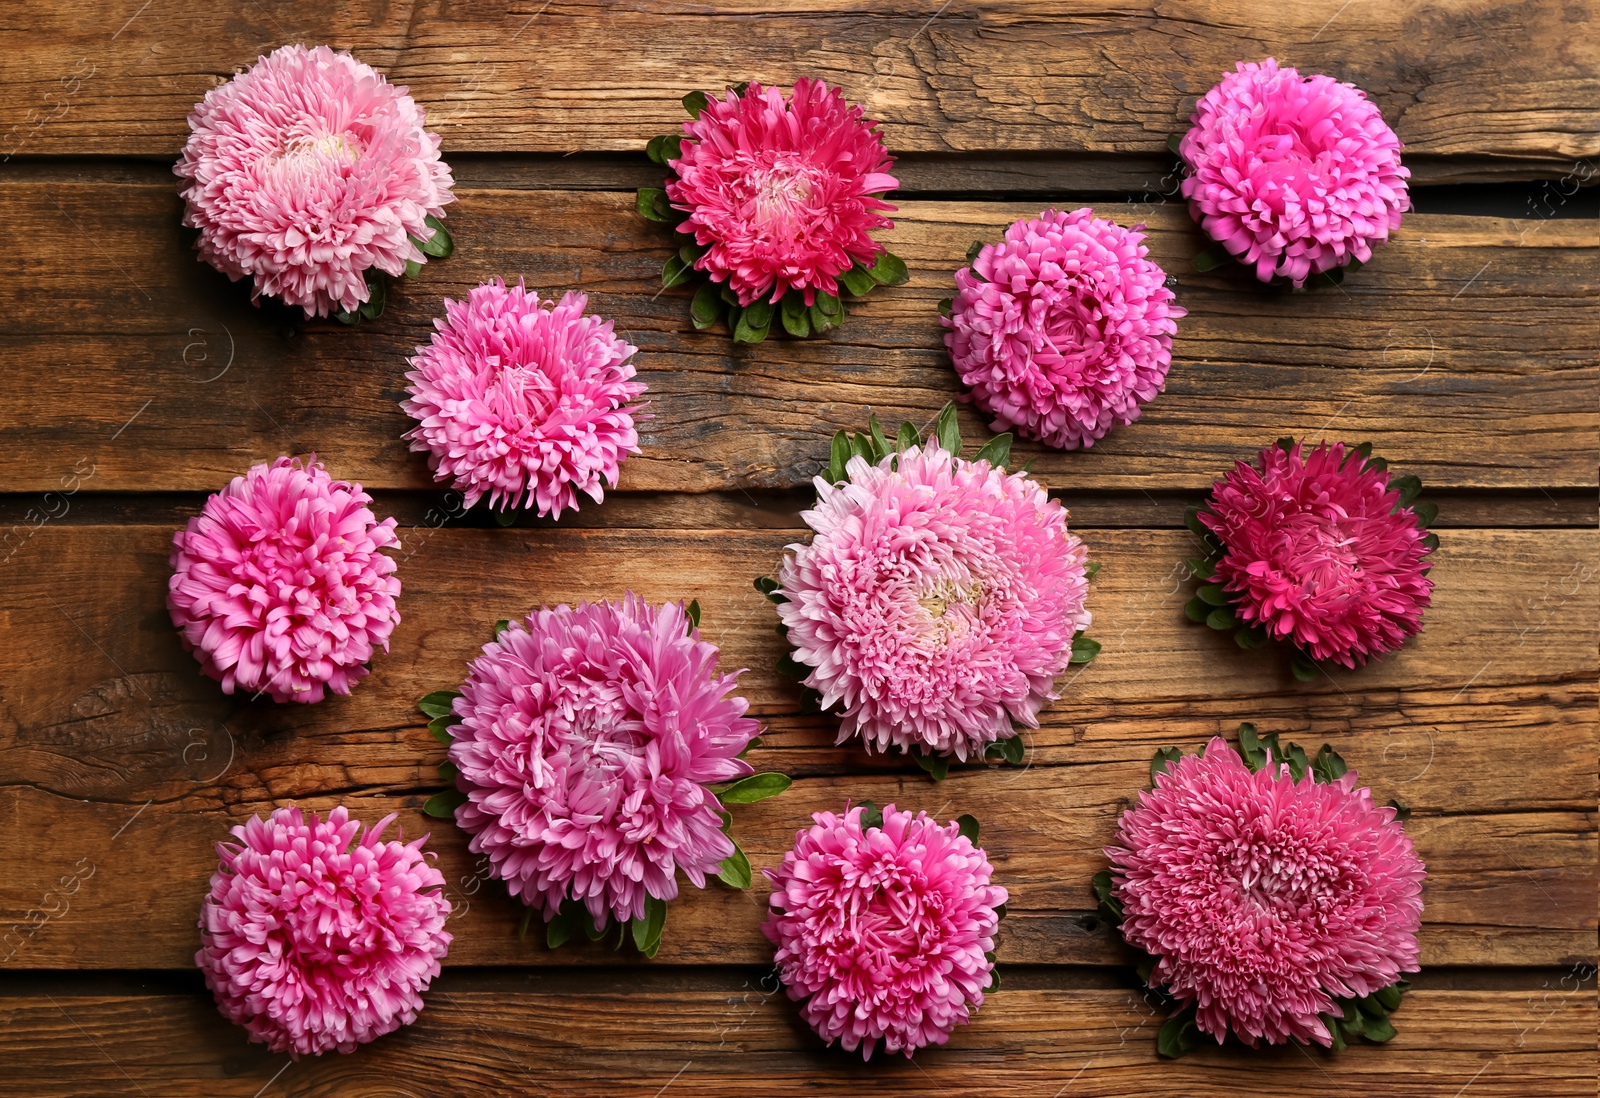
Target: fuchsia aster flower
x,y
305,172
937,602
1322,550
527,402
1292,175
782,194
313,939
587,738
884,930
1263,899
279,586
1063,329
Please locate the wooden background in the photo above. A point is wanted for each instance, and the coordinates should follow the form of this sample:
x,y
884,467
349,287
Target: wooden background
x,y
1466,351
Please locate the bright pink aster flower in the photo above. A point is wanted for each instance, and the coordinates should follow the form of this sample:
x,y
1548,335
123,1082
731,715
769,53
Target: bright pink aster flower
x,y
1063,329
937,602
782,193
587,739
307,170
526,401
1293,175
314,940
1318,551
1262,898
883,932
278,585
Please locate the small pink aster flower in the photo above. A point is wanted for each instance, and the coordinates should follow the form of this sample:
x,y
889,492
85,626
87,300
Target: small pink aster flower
x,y
1263,899
937,602
1319,551
522,400
306,171
314,939
884,932
1063,329
279,586
1292,175
782,194
588,736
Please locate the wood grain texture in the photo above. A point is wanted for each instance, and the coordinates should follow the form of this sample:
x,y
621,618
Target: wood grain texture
x,y
716,1034
1465,352
123,758
1491,80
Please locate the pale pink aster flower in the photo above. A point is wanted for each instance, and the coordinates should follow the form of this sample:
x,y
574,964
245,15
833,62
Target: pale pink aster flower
x,y
279,586
314,939
782,193
1293,175
937,602
588,737
1063,329
523,400
1263,899
307,170
1319,552
884,933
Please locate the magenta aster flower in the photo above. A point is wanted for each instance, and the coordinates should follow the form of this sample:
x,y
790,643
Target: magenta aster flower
x,y
1262,898
782,194
937,602
588,737
1063,329
884,930
314,939
522,400
1322,550
305,172
1292,175
279,586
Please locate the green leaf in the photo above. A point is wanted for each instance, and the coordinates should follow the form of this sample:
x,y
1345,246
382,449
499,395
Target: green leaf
x,y
967,824
377,296
692,612
880,441
1426,512
442,806
753,323
1212,594
889,270
871,814
1298,763
448,771
1163,759
861,447
501,626
647,931
945,305
738,89
769,588
1196,609
1173,141
789,667
1389,997
1303,668
1431,542
994,976
1250,748
972,252
1378,1029
1212,258
1178,1036
439,727
1222,618
1091,569
1009,750
1191,519
413,268
1084,650
706,308
439,703
1408,487
794,314
735,870
649,202
1249,637
947,430
561,929
857,282
937,766
997,451
1402,811
907,436
695,102
506,516
839,458
345,317
439,245
1329,765
665,148
675,272
757,787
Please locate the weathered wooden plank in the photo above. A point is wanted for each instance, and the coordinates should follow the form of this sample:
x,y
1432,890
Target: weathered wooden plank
x,y
117,753
725,1034
106,76
1465,351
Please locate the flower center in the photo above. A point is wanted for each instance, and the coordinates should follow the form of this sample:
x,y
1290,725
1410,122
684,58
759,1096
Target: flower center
x,y
1320,553
780,194
952,610
305,148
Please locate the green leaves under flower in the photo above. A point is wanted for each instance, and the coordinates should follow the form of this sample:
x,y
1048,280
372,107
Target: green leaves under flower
x,y
756,787
438,246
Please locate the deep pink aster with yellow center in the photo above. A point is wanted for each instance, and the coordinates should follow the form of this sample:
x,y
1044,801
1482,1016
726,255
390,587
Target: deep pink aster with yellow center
x,y
1293,175
883,933
1263,899
307,170
782,193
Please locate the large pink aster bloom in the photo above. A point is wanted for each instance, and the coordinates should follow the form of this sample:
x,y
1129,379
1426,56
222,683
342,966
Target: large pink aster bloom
x,y
782,193
1263,899
314,939
307,170
937,602
279,585
588,736
523,400
1318,552
1063,329
883,933
1294,175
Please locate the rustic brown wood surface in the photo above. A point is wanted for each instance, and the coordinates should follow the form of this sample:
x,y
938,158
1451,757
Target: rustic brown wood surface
x,y
1468,351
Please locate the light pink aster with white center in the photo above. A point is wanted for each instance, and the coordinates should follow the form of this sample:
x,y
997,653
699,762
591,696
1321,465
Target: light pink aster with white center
x,y
882,933
588,736
937,602
307,170
1293,175
526,401
313,938
1263,899
279,585
1063,329
783,193
1318,552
